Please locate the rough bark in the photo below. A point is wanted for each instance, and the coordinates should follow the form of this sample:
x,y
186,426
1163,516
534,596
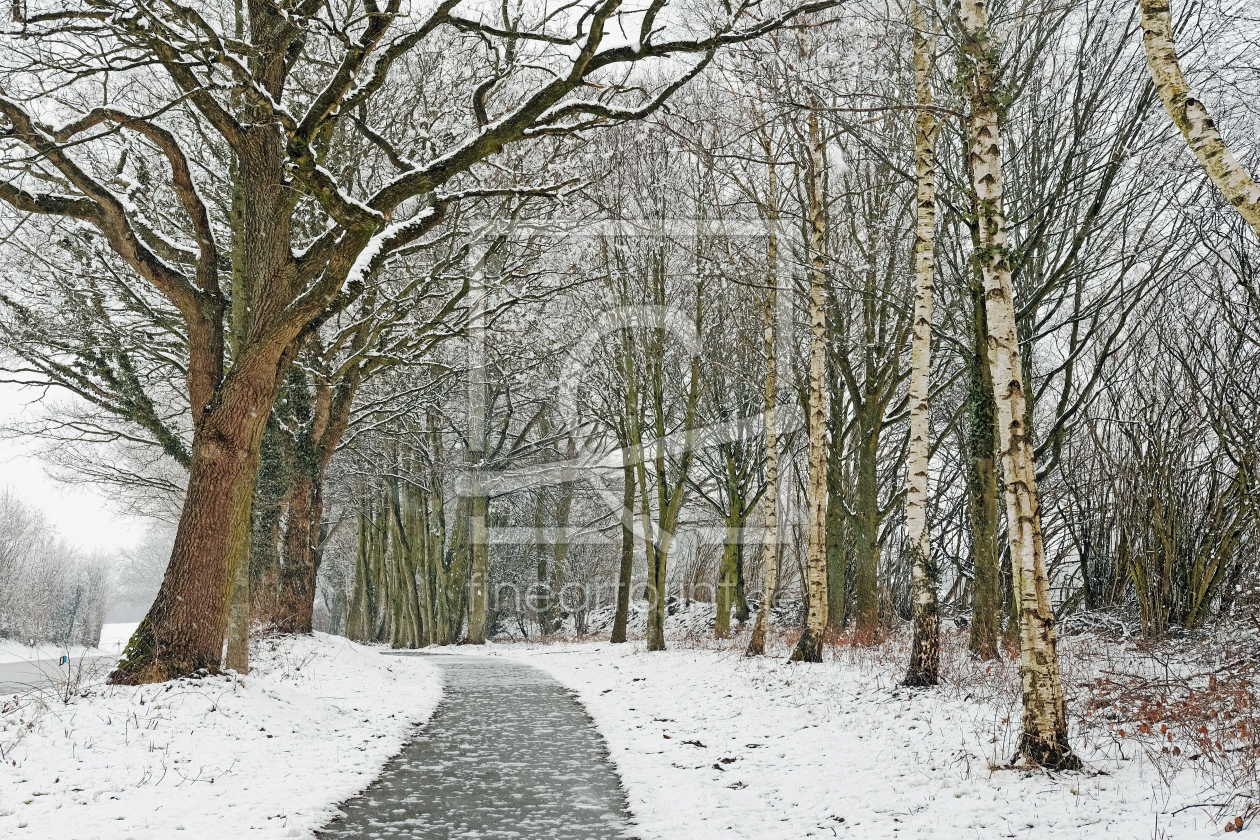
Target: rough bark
x,y
809,646
1044,737
1191,116
184,629
925,652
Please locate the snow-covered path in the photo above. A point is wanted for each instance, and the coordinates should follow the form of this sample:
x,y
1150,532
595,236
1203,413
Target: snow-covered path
x,y
509,753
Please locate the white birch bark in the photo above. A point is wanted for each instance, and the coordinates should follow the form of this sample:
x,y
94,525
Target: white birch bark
x,y
809,648
1044,738
925,654
1191,116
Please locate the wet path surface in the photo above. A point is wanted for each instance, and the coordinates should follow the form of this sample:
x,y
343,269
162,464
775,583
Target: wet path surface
x,y
508,754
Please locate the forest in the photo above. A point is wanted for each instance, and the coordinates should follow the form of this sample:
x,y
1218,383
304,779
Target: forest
x,y
915,335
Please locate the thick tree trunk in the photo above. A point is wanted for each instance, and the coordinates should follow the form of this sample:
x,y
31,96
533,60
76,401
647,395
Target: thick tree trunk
x,y
809,647
627,549
1191,116
184,630
925,653
1044,738
770,545
185,627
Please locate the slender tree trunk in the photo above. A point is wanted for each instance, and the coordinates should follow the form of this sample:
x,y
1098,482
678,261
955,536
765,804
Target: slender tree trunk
x,y
452,585
770,545
479,572
925,653
669,497
1044,739
358,615
809,647
837,518
560,553
1191,117
416,516
540,595
237,658
741,588
655,568
728,572
627,549
479,548
982,489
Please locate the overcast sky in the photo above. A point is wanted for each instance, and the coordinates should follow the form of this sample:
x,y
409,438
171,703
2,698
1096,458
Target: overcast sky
x,y
81,513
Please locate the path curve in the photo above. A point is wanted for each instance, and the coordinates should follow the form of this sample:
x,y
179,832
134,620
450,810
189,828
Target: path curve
x,y
509,753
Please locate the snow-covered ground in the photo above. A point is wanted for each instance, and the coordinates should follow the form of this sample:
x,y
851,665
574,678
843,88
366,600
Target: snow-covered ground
x,y
711,744
269,755
113,639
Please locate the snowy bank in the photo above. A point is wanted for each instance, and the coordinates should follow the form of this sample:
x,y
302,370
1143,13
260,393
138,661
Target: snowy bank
x,y
113,639
711,744
270,754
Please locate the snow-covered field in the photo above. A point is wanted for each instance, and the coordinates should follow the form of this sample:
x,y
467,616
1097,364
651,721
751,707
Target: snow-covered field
x,y
269,755
711,744
113,639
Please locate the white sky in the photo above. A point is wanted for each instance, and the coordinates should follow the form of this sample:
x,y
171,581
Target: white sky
x,y
82,514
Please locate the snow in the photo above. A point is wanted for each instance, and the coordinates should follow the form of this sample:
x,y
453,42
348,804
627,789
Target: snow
x,y
712,744
113,639
271,753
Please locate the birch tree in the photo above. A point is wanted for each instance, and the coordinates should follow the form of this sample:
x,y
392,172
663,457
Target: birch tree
x,y
1191,116
1044,738
925,654
810,645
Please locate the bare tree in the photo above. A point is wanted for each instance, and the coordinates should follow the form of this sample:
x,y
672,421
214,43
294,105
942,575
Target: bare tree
x,y
274,87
